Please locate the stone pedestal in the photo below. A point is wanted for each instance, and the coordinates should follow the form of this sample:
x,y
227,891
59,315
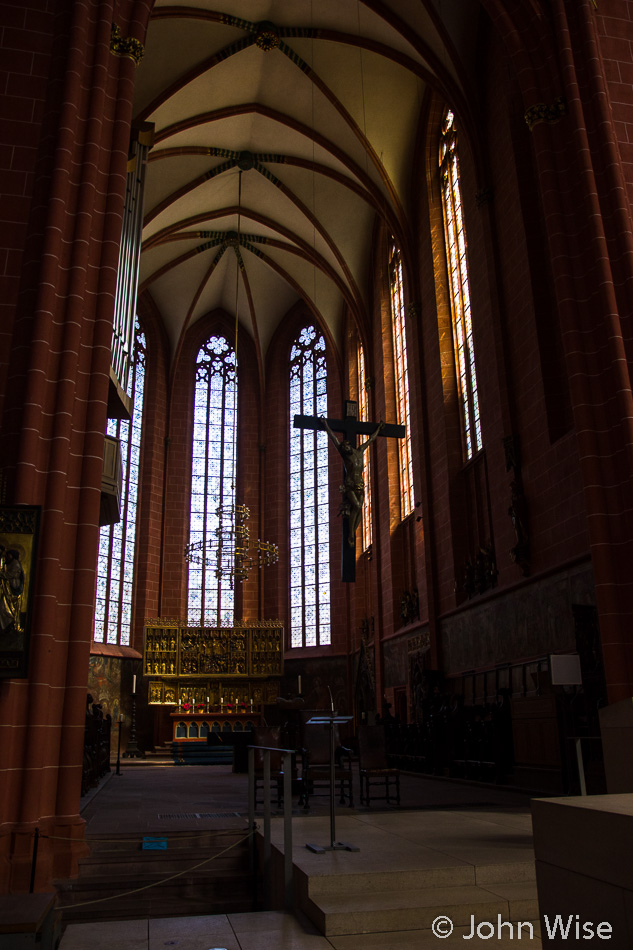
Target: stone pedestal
x,y
616,726
584,871
29,920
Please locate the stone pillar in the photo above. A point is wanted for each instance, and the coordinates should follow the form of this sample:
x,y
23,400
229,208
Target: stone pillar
x,y
54,422
616,727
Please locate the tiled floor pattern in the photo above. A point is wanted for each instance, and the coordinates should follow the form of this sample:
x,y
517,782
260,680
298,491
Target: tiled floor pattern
x,y
268,930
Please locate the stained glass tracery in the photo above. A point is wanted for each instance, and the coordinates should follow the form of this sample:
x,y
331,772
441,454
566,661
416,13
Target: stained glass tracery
x,y
455,238
363,415
401,379
115,564
211,599
309,503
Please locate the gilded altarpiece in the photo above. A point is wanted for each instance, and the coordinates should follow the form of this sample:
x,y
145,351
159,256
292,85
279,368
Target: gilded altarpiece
x,y
213,666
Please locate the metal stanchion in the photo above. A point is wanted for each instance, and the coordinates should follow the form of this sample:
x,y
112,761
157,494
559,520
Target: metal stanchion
x,y
133,751
288,879
118,751
581,767
267,849
334,845
36,839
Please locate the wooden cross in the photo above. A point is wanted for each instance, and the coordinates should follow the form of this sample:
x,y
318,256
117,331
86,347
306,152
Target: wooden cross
x,y
351,427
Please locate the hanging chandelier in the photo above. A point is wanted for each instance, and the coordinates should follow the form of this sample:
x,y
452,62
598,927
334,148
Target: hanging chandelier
x,y
229,551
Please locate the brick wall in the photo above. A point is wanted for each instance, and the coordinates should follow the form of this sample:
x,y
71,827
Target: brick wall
x,y
551,473
509,354
26,50
614,26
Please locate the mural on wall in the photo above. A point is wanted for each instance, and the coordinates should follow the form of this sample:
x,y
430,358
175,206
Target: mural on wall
x,y
534,620
316,677
18,541
365,684
104,684
395,660
417,649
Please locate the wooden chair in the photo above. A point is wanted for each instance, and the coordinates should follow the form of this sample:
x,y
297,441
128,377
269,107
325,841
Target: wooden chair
x,y
316,763
373,765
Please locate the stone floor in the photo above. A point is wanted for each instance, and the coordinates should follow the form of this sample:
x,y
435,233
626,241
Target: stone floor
x,y
473,839
148,789
413,867
267,930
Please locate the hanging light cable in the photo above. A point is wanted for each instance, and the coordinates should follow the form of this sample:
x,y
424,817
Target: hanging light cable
x,y
230,552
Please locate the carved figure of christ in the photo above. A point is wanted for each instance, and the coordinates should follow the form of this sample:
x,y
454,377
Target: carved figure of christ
x,y
353,487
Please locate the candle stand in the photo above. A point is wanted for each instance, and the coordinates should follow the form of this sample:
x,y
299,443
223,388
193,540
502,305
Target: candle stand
x,y
133,751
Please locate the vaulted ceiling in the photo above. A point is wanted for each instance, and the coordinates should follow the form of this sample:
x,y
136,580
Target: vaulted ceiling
x,y
281,130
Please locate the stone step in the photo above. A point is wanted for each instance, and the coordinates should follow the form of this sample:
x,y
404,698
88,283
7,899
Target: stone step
x,y
194,847
415,909
129,897
111,869
105,851
194,902
398,880
503,938
201,753
105,887
155,869
113,882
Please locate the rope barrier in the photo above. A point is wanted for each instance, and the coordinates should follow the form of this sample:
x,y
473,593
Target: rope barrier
x,y
155,834
146,887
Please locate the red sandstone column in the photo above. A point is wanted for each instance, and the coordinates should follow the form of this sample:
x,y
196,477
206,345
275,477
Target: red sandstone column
x,y
584,211
588,223
60,430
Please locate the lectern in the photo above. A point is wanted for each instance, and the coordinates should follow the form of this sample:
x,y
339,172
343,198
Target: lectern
x,y
334,845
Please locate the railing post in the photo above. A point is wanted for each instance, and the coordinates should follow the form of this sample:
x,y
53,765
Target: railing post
x,y
267,815
251,808
36,839
118,751
288,886
581,767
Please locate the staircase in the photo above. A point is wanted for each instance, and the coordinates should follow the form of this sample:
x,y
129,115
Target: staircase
x,y
118,864
392,901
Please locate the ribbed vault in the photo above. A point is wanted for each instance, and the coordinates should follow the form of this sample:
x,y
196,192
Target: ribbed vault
x,y
281,132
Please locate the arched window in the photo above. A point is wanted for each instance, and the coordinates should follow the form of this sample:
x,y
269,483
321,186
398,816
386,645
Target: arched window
x,y
211,598
455,238
363,415
401,379
309,505
115,567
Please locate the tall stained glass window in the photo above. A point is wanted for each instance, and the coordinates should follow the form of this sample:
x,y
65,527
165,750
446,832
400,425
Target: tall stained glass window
x,y
115,567
309,504
401,380
459,292
211,599
363,415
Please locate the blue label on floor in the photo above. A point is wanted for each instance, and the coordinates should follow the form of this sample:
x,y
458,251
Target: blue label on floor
x,y
154,844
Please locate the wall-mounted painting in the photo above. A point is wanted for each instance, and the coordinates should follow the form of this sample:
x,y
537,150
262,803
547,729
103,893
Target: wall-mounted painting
x,y
18,540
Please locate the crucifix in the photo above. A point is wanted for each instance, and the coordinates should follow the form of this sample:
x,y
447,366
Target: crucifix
x,y
353,487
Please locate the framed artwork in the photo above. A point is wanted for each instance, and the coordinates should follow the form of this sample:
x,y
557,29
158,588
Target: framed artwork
x,y
19,528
